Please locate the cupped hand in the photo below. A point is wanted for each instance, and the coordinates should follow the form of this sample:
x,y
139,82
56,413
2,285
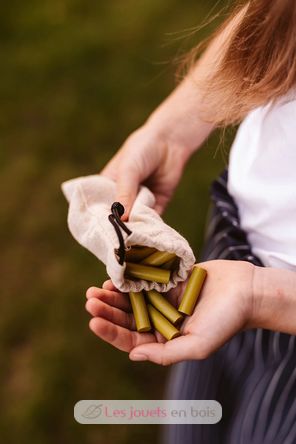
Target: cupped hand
x,y
146,158
224,308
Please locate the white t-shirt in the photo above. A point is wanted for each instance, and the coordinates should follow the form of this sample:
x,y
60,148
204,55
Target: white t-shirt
x,y
262,181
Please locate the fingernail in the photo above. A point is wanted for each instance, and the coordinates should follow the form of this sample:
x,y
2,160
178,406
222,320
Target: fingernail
x,y
138,357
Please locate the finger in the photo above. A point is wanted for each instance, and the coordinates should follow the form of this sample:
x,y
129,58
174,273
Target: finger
x,y
110,169
114,298
97,307
176,350
127,189
110,172
175,295
117,336
159,337
159,209
160,206
108,285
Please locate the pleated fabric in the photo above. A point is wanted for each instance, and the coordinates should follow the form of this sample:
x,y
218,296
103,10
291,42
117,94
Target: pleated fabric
x,y
253,375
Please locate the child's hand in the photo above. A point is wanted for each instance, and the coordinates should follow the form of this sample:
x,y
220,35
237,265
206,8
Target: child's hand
x,y
224,308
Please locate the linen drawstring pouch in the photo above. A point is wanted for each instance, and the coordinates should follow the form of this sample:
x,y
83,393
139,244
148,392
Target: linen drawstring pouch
x,y
92,224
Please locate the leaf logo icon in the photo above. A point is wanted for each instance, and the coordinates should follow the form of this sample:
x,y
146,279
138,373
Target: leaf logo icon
x,y
93,411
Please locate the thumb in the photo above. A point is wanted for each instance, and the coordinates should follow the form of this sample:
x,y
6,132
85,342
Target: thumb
x,y
179,349
127,190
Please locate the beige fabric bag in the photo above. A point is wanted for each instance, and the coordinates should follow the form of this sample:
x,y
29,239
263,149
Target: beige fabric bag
x,y
90,199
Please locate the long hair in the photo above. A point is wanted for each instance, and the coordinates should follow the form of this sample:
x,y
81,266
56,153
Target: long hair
x,y
258,61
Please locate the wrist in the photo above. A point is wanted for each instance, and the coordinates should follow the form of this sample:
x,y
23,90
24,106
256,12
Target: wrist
x,y
257,297
274,302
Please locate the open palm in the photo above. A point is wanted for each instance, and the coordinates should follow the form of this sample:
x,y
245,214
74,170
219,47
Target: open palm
x,y
224,308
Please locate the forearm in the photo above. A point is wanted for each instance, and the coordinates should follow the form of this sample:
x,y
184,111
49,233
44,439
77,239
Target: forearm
x,y
179,119
274,300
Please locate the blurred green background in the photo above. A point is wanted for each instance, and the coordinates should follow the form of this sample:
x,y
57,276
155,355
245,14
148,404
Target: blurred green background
x,y
76,78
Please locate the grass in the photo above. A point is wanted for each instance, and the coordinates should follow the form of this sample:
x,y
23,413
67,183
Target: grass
x,y
76,78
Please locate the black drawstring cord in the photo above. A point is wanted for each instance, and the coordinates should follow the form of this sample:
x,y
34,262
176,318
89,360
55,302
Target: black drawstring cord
x,y
117,210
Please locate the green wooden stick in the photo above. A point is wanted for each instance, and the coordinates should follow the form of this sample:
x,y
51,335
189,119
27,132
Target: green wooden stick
x,y
161,324
171,264
140,311
158,258
192,290
137,253
162,304
139,271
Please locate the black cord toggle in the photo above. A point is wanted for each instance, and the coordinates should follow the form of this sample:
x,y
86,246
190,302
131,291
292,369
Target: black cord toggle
x,y
117,210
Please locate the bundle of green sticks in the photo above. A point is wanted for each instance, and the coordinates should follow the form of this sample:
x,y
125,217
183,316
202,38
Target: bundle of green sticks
x,y
152,309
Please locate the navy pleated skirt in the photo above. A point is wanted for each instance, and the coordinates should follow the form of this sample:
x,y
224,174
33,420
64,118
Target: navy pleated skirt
x,y
253,375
